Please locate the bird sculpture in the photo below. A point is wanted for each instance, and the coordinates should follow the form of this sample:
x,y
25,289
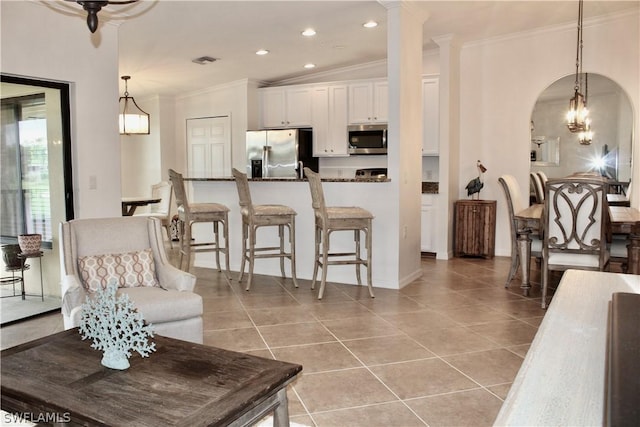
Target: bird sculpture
x,y
475,185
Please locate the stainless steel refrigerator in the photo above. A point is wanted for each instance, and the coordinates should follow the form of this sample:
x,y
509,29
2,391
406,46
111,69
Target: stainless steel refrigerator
x,y
280,153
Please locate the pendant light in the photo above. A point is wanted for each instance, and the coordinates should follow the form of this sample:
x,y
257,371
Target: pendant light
x,y
93,7
586,136
577,120
133,120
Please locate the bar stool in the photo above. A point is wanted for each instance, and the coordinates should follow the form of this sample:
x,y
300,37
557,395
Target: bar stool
x,y
330,219
191,213
256,216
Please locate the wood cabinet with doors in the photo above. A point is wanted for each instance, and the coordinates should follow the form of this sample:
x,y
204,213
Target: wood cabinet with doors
x,y
475,228
369,102
283,107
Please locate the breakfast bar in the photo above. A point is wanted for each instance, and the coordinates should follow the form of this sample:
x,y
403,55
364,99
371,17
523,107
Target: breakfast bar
x,y
368,193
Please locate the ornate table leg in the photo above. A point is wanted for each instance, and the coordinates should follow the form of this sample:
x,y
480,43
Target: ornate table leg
x,y
524,246
634,252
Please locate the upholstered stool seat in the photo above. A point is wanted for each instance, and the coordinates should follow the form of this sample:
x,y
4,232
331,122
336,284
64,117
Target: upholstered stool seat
x,y
338,218
191,213
256,216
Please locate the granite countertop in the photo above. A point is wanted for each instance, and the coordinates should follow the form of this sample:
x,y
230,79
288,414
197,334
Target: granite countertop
x,y
290,179
429,187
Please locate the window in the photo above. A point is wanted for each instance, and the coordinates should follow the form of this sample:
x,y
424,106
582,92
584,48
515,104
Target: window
x,y
35,158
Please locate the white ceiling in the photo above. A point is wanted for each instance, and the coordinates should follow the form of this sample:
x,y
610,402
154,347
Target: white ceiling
x,y
159,38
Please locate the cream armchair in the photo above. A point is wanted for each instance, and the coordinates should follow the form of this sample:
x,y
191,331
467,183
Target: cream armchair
x,y
172,307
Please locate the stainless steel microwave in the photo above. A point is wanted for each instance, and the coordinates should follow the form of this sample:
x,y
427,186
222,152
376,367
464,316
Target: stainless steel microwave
x,y
367,139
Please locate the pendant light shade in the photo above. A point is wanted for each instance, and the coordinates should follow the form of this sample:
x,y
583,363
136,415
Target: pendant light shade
x,y
133,120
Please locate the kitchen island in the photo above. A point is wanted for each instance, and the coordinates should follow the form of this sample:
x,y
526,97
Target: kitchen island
x,y
369,194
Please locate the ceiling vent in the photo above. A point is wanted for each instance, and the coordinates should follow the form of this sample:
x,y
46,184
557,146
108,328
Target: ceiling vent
x,y
204,60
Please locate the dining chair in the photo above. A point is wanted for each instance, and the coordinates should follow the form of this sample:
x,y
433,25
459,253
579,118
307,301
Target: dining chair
x,y
542,177
575,222
257,216
514,205
330,219
191,213
536,183
161,210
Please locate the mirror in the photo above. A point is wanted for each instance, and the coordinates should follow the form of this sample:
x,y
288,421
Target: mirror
x,y
545,150
557,152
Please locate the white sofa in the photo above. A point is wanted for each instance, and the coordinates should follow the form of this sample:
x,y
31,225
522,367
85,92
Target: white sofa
x,y
173,308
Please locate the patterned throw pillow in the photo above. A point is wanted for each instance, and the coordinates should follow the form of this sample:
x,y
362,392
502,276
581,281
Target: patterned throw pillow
x,y
129,270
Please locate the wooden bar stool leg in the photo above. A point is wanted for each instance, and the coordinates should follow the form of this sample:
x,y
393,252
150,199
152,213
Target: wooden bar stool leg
x,y
181,242
217,240
187,245
252,253
356,237
292,245
316,258
325,260
281,236
244,250
369,276
225,231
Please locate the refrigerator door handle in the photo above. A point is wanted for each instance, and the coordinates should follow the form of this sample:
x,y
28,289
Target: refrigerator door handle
x,y
265,161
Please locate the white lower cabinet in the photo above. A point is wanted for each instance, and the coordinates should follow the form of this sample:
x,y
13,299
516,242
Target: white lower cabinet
x,y
428,222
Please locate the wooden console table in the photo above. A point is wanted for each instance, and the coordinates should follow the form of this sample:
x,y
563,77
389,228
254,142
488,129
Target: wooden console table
x,y
60,378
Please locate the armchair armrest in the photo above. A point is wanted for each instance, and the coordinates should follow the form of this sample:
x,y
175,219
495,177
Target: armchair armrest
x,y
171,277
73,294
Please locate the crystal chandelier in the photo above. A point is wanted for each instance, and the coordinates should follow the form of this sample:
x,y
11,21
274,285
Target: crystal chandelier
x,y
133,120
577,117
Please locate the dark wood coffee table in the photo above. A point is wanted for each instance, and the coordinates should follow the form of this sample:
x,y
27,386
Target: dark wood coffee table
x,y
181,383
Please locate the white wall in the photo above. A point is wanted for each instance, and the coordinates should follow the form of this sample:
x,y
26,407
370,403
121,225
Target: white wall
x,y
41,43
141,155
501,80
232,100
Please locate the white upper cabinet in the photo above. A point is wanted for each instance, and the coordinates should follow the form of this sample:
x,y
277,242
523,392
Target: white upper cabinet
x,y
286,107
430,117
329,112
368,102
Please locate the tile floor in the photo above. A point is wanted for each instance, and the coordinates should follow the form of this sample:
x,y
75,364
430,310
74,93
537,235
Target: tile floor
x,y
442,351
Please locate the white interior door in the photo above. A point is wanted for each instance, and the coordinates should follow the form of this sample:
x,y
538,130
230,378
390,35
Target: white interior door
x,y
209,147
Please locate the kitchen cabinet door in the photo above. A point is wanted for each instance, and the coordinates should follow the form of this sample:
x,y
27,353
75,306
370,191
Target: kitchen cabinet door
x,y
285,107
430,117
330,121
368,102
298,107
428,223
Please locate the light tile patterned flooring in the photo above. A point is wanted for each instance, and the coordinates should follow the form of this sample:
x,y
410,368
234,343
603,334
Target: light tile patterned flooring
x,y
442,351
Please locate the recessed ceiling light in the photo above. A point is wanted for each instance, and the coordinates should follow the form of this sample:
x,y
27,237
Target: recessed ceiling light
x,y
370,24
309,32
262,52
308,66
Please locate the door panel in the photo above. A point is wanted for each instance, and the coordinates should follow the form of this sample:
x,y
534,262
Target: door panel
x,y
209,147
